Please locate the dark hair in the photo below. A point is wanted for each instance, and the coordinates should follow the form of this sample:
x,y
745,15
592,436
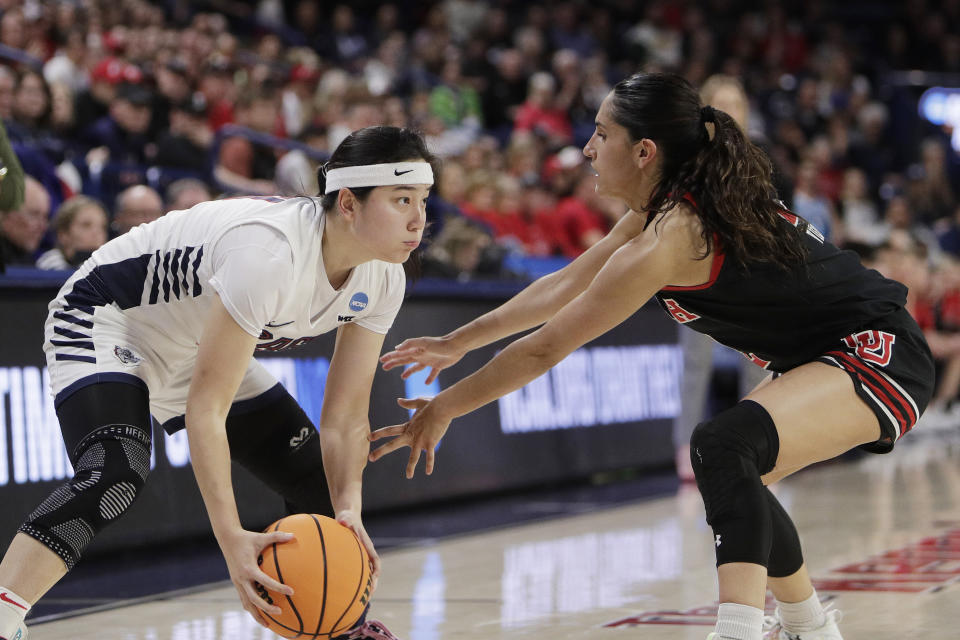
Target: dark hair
x,y
728,177
376,145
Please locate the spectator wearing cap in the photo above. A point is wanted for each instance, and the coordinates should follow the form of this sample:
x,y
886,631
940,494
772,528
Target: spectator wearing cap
x,y
217,86
135,205
244,165
80,224
22,230
297,98
186,144
123,132
187,192
94,102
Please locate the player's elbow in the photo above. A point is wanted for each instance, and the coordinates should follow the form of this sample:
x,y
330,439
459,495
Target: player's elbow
x,y
543,353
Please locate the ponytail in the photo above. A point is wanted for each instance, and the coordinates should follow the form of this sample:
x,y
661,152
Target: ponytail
x,y
728,177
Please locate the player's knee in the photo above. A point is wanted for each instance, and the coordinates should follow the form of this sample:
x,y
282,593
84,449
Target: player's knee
x,y
109,473
735,447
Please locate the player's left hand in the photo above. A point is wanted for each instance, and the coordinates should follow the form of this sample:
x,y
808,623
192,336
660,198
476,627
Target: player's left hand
x,y
421,433
351,520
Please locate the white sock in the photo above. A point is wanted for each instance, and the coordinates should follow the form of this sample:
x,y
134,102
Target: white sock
x,y
739,622
12,610
802,616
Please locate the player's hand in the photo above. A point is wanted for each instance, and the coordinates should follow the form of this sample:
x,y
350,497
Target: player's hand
x,y
351,520
436,353
241,549
421,433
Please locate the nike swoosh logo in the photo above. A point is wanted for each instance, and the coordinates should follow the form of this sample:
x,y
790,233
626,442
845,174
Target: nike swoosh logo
x,y
5,598
400,173
282,324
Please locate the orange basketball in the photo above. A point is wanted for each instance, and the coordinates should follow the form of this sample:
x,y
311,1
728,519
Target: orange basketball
x,y
329,570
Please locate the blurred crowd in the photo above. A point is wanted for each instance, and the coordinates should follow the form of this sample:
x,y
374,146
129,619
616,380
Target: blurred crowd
x,y
121,110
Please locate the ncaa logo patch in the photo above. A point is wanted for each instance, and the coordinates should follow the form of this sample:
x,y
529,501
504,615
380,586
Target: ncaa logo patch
x,y
358,302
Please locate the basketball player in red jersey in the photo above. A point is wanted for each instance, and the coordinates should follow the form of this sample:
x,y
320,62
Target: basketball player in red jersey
x,y
707,238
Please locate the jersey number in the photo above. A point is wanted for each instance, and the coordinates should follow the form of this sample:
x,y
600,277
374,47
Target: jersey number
x,y
872,346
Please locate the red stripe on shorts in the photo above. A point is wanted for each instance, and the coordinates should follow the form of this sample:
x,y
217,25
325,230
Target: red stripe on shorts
x,y
882,388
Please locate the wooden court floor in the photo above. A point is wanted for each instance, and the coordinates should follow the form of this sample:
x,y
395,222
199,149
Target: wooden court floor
x,y
881,536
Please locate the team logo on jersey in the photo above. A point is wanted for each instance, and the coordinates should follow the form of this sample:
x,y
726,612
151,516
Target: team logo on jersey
x,y
872,346
679,314
358,302
125,355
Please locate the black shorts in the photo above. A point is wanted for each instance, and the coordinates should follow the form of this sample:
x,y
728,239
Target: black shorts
x,y
269,435
892,371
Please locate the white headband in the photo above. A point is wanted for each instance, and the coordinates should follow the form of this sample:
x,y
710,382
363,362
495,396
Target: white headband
x,y
379,175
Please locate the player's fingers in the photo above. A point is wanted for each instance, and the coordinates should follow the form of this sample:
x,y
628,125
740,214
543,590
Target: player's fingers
x,y
277,537
434,372
413,403
414,459
393,358
386,432
390,447
274,585
429,460
258,602
409,371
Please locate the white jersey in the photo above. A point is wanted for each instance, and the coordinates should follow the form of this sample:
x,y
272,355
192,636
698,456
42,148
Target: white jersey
x,y
137,307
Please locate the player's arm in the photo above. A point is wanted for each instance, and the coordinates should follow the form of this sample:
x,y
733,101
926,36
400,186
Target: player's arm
x,y
533,306
222,358
345,425
633,274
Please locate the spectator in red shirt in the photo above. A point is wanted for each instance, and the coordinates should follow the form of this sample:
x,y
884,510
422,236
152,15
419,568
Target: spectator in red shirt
x,y
541,114
578,221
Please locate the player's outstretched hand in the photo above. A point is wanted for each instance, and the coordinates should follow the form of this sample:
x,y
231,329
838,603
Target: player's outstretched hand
x,y
351,520
421,433
436,353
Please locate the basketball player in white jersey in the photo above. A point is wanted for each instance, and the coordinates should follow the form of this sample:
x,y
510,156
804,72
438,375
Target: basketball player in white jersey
x,y
164,321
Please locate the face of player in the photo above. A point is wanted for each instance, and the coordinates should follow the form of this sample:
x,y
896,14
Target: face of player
x,y
611,154
391,220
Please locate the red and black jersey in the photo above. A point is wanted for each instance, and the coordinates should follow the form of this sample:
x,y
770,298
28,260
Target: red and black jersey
x,y
780,319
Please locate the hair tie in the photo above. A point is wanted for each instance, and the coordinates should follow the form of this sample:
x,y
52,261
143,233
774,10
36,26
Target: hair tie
x,y
707,114
324,167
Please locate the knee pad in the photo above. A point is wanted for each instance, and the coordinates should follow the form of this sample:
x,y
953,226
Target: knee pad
x,y
786,555
729,454
110,467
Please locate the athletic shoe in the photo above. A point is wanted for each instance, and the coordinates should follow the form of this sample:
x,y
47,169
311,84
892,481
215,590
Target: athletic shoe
x,y
19,634
370,630
828,631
